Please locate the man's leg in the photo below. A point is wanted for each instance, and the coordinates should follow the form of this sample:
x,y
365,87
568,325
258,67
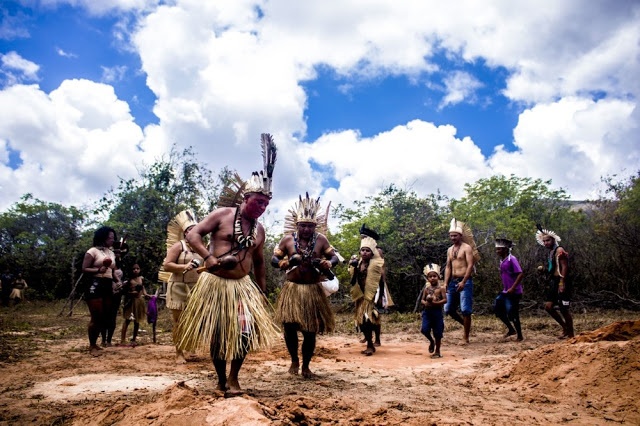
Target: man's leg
x,y
123,333
514,314
568,321
548,306
236,364
220,366
504,313
376,330
291,340
453,302
136,327
367,328
466,308
308,348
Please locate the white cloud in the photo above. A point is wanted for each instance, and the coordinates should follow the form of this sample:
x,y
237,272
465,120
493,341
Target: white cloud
x,y
460,86
222,73
113,74
65,54
74,143
16,69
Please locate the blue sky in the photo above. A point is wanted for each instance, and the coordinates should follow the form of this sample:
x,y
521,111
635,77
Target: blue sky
x,y
417,93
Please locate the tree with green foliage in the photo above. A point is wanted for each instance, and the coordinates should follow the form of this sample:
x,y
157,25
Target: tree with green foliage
x,y
412,233
501,206
141,208
39,239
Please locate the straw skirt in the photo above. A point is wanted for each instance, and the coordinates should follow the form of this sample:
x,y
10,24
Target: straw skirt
x,y
228,314
306,305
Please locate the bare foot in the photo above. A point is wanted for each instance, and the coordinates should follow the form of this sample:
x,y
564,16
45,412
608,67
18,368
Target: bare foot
x,y
307,374
222,387
293,369
376,343
509,333
95,350
233,388
363,341
180,358
369,351
436,355
432,347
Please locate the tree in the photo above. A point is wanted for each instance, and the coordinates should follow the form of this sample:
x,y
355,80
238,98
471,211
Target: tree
x,y
412,233
141,208
39,239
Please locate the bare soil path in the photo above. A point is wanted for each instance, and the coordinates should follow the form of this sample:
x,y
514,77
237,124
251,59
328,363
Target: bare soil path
x,y
590,380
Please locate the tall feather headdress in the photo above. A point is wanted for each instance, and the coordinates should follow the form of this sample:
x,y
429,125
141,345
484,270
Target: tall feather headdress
x,y
467,236
541,233
175,232
260,182
306,210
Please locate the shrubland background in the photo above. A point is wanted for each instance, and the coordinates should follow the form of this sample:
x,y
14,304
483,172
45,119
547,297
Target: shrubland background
x,y
46,241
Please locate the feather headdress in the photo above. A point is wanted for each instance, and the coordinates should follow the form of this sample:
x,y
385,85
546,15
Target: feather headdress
x,y
232,192
175,232
541,233
467,236
306,210
369,232
431,267
260,182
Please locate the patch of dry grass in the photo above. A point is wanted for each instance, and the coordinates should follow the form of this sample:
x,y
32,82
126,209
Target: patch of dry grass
x,y
28,326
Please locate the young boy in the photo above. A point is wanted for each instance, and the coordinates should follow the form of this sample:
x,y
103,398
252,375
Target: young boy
x,y
434,296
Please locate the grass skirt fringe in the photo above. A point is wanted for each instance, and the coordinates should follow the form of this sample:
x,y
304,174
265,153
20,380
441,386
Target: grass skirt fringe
x,y
225,311
177,294
306,305
363,307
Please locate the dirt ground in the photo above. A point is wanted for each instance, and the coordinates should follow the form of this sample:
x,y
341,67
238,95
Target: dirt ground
x,y
589,380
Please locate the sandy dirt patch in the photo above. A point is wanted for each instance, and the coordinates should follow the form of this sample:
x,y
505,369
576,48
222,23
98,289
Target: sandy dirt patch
x,y
590,380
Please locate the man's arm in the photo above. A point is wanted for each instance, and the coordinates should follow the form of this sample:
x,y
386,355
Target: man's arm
x,y
563,266
468,257
208,225
447,268
279,253
330,259
258,263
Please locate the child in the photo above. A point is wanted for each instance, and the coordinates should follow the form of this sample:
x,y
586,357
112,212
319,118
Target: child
x,y
152,313
135,308
434,296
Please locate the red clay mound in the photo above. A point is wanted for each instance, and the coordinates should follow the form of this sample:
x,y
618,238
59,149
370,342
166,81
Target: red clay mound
x,y
618,331
599,371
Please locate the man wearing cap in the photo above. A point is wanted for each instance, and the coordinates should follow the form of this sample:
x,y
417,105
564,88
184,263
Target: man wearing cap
x,y
511,275
457,276
558,289
226,311
302,305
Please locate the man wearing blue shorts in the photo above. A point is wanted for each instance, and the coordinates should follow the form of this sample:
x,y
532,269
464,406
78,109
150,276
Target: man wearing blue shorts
x,y
457,276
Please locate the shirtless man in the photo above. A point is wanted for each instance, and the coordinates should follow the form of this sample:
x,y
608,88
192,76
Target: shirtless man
x,y
457,278
558,288
226,306
302,305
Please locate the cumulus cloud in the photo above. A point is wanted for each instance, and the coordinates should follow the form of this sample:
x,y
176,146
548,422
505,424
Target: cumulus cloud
x,y
17,69
224,72
74,143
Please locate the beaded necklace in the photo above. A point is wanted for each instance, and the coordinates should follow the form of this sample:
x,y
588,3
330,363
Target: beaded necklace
x,y
306,253
244,241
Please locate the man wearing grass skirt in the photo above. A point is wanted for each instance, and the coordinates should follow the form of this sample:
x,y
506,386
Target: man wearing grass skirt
x,y
302,306
226,310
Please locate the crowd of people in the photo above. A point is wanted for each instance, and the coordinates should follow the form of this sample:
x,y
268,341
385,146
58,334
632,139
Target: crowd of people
x,y
218,307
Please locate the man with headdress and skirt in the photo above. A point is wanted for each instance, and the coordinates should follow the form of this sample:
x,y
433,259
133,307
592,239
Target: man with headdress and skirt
x,y
227,310
305,255
558,288
461,258
366,273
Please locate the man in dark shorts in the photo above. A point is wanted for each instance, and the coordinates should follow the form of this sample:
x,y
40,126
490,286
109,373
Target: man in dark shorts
x,y
558,288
